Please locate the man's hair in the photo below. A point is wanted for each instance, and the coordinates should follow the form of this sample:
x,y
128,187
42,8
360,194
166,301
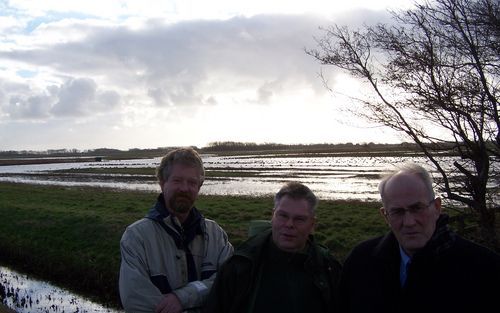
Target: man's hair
x,y
408,168
297,191
184,156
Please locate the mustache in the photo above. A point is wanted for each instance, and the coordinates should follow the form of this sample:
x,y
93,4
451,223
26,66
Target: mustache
x,y
181,194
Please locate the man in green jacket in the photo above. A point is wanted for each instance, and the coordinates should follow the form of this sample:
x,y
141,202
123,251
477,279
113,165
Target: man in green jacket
x,y
281,269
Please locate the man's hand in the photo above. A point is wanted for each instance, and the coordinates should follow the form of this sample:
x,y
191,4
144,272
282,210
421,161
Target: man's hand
x,y
169,304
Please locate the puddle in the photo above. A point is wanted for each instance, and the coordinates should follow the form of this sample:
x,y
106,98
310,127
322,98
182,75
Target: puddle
x,y
27,295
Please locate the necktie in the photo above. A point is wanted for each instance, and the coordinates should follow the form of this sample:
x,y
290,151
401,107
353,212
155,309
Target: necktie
x,y
404,273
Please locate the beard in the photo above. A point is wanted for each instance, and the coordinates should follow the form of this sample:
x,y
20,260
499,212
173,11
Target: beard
x,y
181,202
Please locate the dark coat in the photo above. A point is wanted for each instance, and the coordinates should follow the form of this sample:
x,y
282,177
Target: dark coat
x,y
450,274
235,286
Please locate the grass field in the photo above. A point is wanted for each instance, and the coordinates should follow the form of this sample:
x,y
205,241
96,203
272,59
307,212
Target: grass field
x,y
70,236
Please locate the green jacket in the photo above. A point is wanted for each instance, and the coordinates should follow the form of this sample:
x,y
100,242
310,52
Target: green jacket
x,y
238,280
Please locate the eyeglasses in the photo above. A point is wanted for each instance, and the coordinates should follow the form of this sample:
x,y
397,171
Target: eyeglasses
x,y
415,210
297,220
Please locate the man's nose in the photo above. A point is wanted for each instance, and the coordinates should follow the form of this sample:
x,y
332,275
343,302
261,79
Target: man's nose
x,y
408,218
289,222
184,185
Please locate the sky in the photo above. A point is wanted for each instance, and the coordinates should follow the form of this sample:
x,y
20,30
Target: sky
x,y
129,74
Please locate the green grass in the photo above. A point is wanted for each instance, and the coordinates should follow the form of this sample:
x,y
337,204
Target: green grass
x,y
70,236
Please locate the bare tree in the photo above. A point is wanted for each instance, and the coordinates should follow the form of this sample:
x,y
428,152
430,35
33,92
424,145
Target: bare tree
x,y
438,64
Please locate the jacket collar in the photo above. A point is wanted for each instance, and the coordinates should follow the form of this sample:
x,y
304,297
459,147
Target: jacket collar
x,y
442,239
252,248
160,211
193,224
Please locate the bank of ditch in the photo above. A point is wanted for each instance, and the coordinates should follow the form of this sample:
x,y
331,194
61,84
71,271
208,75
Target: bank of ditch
x,y
5,309
70,236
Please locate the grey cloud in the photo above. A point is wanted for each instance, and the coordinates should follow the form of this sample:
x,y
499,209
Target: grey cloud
x,y
106,100
179,89
76,97
19,101
210,101
81,96
266,91
187,62
33,107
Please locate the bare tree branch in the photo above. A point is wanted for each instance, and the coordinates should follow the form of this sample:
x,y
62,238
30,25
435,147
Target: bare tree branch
x,y
436,79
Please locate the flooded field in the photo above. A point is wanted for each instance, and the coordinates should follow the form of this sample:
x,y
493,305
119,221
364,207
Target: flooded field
x,y
27,295
328,177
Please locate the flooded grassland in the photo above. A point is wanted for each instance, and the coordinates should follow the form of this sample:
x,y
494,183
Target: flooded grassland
x,y
64,220
330,177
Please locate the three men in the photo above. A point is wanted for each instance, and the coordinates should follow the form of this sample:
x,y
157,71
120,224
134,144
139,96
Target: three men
x,y
169,258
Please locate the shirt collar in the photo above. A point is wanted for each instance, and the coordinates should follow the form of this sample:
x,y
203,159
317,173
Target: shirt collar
x,y
405,258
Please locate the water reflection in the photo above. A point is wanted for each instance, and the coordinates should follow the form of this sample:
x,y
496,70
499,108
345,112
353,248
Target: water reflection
x,y
329,177
26,295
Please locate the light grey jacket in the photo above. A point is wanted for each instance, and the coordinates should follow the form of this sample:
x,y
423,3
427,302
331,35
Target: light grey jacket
x,y
150,255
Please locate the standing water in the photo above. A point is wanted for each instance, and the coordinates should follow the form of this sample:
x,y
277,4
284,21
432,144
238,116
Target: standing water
x,y
26,295
329,177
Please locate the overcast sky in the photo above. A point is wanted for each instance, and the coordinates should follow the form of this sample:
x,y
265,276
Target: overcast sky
x,y
146,74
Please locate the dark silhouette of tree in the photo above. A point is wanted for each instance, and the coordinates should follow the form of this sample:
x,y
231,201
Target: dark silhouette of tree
x,y
437,65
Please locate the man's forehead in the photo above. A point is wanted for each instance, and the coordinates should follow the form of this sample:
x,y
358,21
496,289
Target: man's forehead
x,y
294,208
405,186
185,169
405,204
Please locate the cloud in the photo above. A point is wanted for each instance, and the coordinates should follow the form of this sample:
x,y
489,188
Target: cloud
x,y
134,72
76,97
81,97
32,107
9,24
175,64
185,63
177,10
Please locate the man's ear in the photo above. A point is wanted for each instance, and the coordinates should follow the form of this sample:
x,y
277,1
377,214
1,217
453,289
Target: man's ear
x,y
437,204
383,212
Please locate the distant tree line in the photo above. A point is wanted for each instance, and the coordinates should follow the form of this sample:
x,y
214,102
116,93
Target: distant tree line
x,y
104,152
228,147
234,146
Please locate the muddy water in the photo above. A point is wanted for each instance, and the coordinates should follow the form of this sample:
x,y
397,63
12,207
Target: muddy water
x,y
27,295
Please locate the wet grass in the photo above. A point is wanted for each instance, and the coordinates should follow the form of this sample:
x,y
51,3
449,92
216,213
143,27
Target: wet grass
x,y
70,236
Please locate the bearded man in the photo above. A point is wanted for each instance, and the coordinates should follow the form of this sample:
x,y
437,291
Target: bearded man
x,y
170,257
